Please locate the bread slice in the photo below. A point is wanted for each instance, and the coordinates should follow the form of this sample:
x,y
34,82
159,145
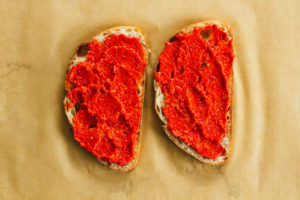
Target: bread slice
x,y
80,56
159,105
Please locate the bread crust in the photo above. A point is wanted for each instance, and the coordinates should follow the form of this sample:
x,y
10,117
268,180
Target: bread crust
x,y
70,113
227,141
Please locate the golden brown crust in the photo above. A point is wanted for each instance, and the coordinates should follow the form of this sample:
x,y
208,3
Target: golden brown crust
x,y
107,33
182,145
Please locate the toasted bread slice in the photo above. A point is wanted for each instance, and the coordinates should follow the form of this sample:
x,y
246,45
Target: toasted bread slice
x,y
80,56
159,105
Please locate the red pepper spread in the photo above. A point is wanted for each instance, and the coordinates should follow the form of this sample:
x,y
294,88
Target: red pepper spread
x,y
106,95
194,76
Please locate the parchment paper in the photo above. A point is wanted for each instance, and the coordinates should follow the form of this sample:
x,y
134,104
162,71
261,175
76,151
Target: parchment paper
x,y
41,160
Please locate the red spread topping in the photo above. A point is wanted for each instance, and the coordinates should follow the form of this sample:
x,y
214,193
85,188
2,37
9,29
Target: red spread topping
x,y
105,88
194,76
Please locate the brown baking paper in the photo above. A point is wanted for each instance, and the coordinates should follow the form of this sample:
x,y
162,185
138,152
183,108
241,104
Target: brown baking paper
x,y
41,160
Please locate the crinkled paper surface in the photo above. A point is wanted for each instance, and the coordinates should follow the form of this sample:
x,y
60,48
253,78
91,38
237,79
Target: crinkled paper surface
x,y
41,160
